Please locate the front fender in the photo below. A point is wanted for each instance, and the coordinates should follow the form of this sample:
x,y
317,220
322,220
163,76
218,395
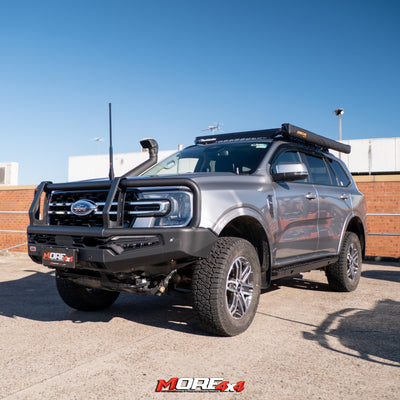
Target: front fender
x,y
242,211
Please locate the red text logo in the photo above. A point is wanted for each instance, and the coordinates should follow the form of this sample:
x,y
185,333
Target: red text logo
x,y
198,384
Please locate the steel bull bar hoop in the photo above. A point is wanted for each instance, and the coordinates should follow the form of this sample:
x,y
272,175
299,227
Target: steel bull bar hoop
x,y
112,186
165,183
46,187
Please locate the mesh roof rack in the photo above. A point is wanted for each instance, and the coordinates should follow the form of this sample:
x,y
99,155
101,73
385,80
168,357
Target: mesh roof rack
x,y
288,131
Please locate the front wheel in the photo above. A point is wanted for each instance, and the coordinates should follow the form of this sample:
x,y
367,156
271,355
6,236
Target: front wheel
x,y
84,298
344,275
226,287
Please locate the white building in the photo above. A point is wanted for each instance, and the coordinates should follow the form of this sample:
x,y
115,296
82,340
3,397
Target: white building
x,y
8,174
97,166
371,156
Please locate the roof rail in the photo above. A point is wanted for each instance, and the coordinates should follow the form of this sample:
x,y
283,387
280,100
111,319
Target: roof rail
x,y
288,131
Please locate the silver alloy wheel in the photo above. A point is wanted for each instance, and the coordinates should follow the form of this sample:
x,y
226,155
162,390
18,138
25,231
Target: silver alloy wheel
x,y
352,262
239,287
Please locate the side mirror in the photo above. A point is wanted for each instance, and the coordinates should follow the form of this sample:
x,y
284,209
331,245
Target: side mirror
x,y
287,171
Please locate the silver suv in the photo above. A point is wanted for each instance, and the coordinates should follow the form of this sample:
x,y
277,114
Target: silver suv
x,y
219,219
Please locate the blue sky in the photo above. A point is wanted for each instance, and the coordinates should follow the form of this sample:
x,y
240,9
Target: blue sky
x,y
172,67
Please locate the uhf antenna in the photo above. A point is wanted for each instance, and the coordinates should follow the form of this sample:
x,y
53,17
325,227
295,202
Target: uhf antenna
x,y
111,172
212,128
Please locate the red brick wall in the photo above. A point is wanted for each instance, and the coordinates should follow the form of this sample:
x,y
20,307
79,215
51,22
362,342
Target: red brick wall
x,y
381,192
382,195
14,198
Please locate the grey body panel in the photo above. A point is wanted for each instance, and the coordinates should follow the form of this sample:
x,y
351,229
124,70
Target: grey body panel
x,y
301,220
297,220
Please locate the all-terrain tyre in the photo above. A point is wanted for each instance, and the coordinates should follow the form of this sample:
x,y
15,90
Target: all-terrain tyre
x,y
344,275
84,298
226,287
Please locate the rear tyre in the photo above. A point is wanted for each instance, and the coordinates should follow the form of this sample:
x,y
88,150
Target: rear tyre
x,y
84,298
226,287
344,275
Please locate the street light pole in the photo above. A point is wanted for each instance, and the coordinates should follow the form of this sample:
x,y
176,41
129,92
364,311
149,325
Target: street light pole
x,y
339,112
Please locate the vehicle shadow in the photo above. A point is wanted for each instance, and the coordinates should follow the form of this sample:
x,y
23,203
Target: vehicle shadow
x,y
299,282
384,275
35,297
382,263
371,335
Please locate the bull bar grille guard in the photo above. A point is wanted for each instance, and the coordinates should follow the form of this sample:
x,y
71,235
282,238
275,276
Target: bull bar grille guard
x,y
38,212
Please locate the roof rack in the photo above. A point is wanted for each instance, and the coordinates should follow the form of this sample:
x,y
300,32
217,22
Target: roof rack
x,y
288,131
260,134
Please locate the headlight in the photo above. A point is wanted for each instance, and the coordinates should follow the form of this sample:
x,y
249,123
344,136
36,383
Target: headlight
x,y
180,214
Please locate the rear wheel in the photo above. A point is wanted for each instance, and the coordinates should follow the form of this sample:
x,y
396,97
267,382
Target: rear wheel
x,y
84,298
344,275
226,287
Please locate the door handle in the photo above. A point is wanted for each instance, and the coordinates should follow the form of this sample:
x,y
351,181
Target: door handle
x,y
344,196
311,196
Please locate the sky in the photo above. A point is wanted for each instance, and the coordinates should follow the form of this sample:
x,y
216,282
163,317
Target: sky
x,y
171,68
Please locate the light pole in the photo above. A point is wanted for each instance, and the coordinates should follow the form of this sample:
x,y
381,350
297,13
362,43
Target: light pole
x,y
98,140
339,112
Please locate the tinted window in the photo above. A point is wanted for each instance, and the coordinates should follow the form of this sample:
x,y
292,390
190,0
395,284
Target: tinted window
x,y
238,158
341,177
318,171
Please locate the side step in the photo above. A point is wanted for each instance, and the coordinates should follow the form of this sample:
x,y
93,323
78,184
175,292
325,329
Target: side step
x,y
294,269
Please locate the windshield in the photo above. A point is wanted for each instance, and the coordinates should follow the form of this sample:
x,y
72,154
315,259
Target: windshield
x,y
239,158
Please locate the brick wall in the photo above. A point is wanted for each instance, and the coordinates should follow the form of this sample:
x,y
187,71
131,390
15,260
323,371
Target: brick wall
x,y
382,196
381,192
14,205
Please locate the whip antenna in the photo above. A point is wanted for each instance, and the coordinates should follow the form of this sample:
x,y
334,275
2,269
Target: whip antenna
x,y
111,172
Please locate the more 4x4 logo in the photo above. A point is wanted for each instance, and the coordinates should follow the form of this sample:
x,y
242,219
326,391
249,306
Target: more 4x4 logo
x,y
198,385
61,258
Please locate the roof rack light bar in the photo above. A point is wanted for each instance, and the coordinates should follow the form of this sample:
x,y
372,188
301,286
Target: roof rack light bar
x,y
288,131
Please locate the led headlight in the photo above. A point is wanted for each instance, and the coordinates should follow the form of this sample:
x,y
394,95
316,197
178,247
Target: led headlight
x,y
180,213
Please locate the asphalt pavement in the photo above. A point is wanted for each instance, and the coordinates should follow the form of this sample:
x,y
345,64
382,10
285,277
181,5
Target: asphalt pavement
x,y
306,342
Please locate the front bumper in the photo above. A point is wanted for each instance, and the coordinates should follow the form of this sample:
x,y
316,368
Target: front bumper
x,y
153,251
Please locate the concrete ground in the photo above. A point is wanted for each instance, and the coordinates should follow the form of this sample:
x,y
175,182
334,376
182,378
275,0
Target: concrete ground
x,y
305,342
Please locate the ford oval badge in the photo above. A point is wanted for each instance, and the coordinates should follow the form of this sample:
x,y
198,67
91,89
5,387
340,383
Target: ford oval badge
x,y
83,207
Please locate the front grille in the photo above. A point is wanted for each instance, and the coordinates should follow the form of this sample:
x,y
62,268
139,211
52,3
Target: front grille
x,y
126,207
42,239
60,208
67,241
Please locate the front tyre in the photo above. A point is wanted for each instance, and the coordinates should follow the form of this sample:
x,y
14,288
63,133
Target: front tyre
x,y
344,275
84,298
226,287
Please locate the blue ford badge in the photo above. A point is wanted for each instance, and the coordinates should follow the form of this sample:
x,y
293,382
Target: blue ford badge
x,y
83,207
